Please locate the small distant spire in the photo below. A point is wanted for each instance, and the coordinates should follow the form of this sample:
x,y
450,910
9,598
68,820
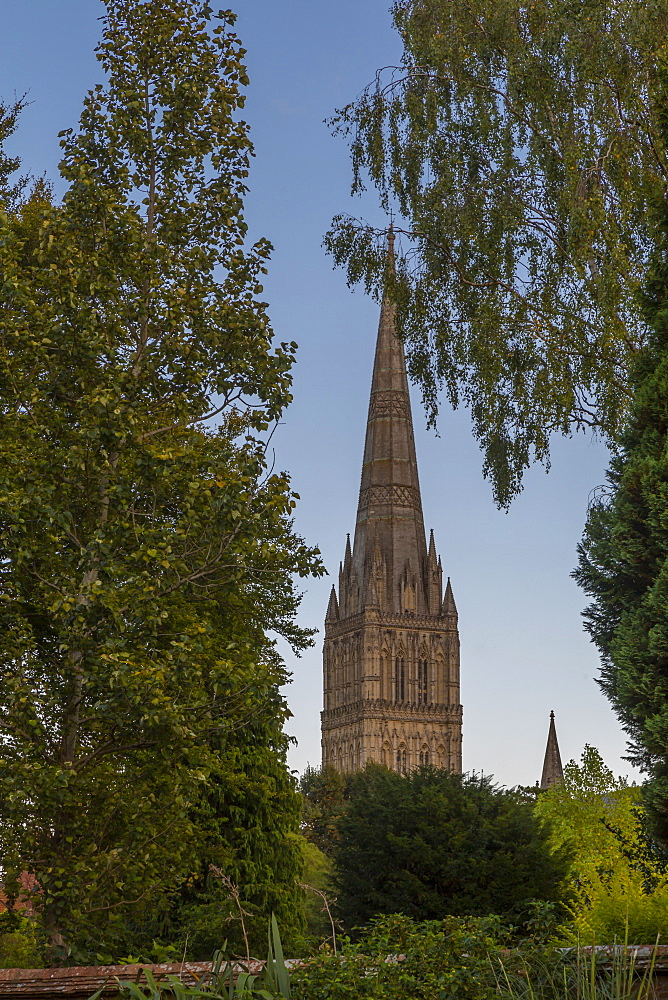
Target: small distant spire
x,y
553,772
434,578
449,606
348,556
332,607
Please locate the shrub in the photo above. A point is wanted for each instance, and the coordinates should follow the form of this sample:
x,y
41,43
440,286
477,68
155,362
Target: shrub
x,y
397,958
19,943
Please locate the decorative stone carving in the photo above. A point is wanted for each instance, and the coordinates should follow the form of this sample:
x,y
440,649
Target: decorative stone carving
x,y
389,403
400,496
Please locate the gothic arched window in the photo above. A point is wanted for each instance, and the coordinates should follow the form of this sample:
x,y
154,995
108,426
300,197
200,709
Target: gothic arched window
x,y
424,756
399,679
423,682
402,759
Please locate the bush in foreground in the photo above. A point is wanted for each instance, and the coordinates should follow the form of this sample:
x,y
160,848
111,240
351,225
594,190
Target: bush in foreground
x,y
397,958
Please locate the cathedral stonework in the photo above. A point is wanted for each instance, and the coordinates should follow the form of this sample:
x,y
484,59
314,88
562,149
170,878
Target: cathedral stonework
x,y
391,650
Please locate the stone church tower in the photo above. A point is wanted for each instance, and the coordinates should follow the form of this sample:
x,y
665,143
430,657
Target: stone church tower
x,y
391,650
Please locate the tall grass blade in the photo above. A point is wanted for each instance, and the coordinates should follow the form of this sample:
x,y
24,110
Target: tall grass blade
x,y
646,989
277,976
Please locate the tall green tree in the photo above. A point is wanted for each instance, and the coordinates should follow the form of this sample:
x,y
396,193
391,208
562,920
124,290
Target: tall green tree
x,y
146,549
623,561
520,145
431,844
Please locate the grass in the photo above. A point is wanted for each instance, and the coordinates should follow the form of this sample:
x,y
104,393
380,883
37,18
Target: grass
x,y
586,974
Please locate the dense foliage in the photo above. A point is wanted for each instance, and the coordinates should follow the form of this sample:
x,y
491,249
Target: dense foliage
x,y
431,843
619,876
520,143
20,946
397,958
624,556
146,550
324,794
316,881
462,959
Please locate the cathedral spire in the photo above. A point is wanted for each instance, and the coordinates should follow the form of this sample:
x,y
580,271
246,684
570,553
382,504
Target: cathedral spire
x,y
391,649
552,769
390,507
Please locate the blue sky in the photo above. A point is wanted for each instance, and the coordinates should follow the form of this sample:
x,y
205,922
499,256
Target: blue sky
x,y
523,648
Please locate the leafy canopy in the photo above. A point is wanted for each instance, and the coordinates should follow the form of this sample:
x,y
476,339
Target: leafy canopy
x,y
146,549
519,143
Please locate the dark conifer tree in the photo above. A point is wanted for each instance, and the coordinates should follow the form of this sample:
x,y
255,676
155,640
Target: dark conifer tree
x,y
623,561
431,844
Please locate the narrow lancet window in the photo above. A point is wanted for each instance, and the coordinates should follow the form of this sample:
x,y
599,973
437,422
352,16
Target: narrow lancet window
x,y
399,679
423,682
